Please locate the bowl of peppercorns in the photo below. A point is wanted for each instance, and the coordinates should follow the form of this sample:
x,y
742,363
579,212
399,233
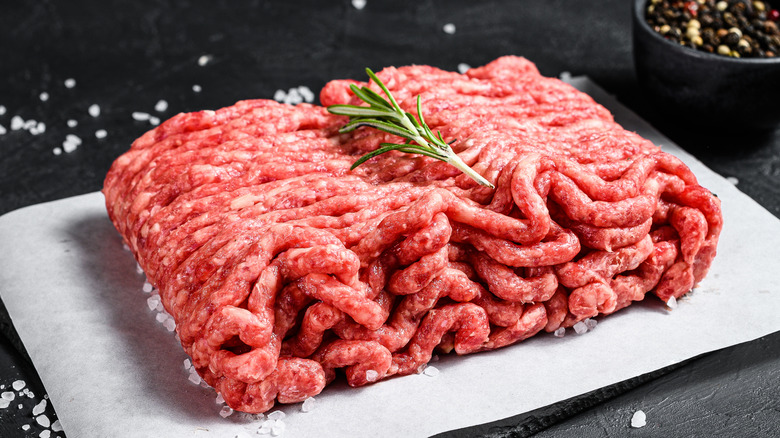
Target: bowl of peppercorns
x,y
710,62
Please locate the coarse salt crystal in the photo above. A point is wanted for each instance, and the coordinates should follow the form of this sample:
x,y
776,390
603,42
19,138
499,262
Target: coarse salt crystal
x,y
279,95
197,88
225,412
57,151
73,139
101,133
559,332
463,67
138,268
154,120
276,415
265,428
70,83
43,420
194,378
358,4
639,419
278,428
169,324
18,385
732,180
8,395
431,371
580,328
2,110
449,28
293,97
590,323
45,434
26,427
44,96
17,123
72,123
19,406
161,317
372,375
3,130
672,302
308,404
152,302
161,106
94,110
4,403
204,59
219,400
307,94
140,116
56,426
147,287
160,307
39,408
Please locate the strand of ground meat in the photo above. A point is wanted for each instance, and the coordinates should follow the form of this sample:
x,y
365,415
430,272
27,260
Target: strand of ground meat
x,y
283,268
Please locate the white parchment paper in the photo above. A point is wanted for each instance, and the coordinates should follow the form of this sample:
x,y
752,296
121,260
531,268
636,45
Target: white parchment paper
x,y
111,370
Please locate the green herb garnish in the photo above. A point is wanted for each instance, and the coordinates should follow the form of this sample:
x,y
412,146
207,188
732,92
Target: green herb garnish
x,y
389,117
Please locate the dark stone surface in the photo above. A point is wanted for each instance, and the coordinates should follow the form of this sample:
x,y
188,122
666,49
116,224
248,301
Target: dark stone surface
x,y
127,55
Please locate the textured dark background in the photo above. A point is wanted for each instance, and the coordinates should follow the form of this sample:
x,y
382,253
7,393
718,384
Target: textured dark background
x,y
125,56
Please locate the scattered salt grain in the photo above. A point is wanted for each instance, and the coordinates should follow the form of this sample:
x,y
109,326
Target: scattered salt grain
x,y
449,28
308,95
72,123
19,406
160,307
580,328
140,116
56,151
17,123
3,130
279,95
4,403
28,393
153,301
169,324
56,426
197,88
45,434
219,400
26,427
639,419
732,180
44,96
39,408
147,287
18,385
671,303
293,97
194,378
358,4
8,395
101,133
70,83
590,323
308,405
276,415
559,332
43,420
161,317
2,110
154,120
204,59
225,412
431,371
161,106
38,128
138,268
278,428
372,375
94,110
187,364
463,67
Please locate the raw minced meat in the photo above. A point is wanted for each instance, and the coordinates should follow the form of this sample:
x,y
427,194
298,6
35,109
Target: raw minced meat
x,y
281,266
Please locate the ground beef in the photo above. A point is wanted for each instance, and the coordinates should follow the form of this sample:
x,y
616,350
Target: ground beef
x,y
281,266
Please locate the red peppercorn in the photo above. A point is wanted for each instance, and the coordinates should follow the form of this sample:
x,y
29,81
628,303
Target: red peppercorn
x,y
774,15
692,7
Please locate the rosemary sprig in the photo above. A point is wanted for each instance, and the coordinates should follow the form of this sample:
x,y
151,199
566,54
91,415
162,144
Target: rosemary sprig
x,y
388,116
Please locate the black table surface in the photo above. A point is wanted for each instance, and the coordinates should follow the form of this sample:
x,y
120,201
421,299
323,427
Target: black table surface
x,y
125,56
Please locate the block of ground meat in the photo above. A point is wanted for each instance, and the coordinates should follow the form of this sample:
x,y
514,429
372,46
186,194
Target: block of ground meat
x,y
283,269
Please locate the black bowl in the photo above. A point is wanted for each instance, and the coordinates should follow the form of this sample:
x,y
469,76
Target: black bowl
x,y
703,88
